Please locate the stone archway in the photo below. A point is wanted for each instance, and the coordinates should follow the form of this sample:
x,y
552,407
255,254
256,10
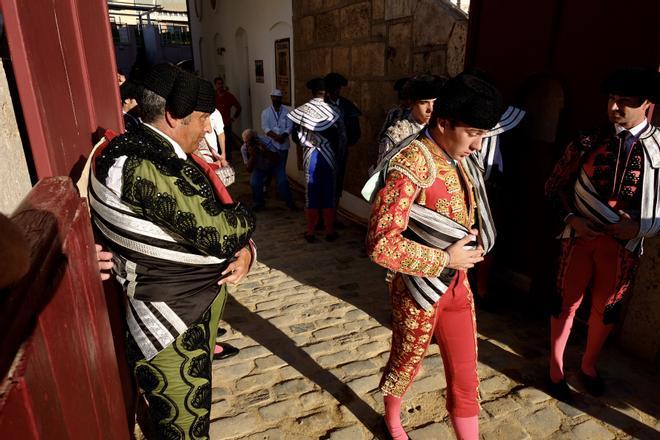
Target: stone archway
x,y
242,77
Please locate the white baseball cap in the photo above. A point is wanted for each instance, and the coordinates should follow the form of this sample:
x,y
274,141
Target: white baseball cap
x,y
276,92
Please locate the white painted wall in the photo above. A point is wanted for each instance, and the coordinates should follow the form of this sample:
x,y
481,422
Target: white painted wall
x,y
232,25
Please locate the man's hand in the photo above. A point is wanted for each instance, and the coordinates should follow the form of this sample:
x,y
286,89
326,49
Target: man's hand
x,y
105,262
461,258
583,227
625,229
238,268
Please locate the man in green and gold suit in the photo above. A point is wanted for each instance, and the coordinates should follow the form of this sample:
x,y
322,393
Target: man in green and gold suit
x,y
177,239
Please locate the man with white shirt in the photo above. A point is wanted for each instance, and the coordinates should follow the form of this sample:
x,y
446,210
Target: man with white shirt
x,y
275,124
177,239
606,189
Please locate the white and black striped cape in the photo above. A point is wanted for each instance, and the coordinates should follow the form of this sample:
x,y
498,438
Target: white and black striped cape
x,y
490,153
313,117
589,204
438,231
143,253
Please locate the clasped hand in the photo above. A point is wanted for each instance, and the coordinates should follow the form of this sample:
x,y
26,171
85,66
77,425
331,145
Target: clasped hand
x,y
461,258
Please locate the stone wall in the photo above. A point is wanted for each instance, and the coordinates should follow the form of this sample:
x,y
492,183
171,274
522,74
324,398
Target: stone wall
x,y
14,173
373,43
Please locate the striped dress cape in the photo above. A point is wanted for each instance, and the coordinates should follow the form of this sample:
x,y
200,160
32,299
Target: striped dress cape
x,y
589,204
312,118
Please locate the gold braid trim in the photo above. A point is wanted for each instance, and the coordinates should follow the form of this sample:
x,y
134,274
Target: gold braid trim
x,y
416,163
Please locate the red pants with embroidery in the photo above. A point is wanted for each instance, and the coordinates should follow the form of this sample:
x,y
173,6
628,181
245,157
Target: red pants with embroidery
x,y
452,323
602,263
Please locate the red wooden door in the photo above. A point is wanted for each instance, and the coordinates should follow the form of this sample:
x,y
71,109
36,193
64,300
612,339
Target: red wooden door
x,y
65,70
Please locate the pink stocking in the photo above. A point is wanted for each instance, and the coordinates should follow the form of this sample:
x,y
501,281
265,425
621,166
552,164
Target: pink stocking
x,y
466,428
393,417
596,338
560,330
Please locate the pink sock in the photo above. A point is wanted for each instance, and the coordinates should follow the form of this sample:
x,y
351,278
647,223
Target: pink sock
x,y
393,418
466,428
560,330
218,349
596,338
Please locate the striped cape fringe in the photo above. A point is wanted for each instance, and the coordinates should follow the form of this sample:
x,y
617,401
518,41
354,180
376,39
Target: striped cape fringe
x,y
438,231
589,204
314,115
491,154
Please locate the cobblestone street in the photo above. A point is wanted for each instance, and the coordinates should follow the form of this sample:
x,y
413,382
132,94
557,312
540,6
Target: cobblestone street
x,y
311,321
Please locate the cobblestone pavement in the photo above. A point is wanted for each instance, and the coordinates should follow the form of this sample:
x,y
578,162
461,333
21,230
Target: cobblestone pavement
x,y
311,321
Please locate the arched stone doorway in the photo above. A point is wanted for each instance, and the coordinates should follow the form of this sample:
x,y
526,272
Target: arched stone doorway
x,y
242,77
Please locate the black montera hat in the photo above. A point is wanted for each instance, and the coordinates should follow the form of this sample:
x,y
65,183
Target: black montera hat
x,y
316,84
205,97
634,81
421,87
160,79
470,100
334,80
183,99
130,90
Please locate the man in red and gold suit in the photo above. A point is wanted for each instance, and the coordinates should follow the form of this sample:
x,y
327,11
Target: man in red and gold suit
x,y
606,189
429,224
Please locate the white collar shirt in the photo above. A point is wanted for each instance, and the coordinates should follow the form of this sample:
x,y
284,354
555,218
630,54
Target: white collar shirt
x,y
278,123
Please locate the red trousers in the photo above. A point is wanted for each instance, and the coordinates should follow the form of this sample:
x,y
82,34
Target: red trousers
x,y
453,324
602,263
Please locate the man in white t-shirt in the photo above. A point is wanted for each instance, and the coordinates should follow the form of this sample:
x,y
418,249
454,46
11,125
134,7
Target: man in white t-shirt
x,y
216,137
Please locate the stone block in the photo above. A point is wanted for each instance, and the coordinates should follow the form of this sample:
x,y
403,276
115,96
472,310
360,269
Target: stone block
x,y
434,430
341,60
327,27
255,381
495,386
543,423
230,427
304,32
320,62
279,410
313,399
533,395
509,429
335,359
378,31
377,9
355,21
432,383
501,407
399,8
363,385
348,433
329,332
311,6
431,32
456,48
431,61
291,387
399,49
359,368
220,408
255,398
369,60
314,421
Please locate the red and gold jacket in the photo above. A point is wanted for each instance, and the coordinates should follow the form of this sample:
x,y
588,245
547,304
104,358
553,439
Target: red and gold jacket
x,y
419,173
